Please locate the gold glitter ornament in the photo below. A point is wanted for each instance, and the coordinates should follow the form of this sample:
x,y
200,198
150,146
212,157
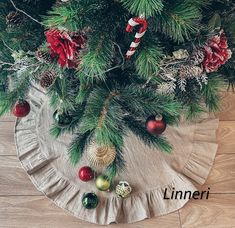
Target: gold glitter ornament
x,y
100,157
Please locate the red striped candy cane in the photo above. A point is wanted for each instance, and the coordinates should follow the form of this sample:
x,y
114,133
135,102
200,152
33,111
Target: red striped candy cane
x,y
132,23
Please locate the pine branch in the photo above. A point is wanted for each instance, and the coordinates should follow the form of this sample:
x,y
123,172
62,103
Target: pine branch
x,y
67,16
104,116
191,99
95,62
179,20
118,165
79,145
76,114
5,103
84,91
147,61
8,99
211,91
147,8
56,131
110,126
145,102
138,128
61,93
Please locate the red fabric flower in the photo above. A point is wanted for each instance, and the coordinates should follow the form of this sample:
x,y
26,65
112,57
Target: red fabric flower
x,y
65,46
216,52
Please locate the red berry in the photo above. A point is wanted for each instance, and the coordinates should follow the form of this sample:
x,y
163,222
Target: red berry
x,y
155,126
21,109
86,173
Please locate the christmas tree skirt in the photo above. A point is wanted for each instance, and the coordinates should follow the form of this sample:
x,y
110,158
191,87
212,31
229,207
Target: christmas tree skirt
x,y
151,173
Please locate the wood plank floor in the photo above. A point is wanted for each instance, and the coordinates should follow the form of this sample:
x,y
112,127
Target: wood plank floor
x,y
22,206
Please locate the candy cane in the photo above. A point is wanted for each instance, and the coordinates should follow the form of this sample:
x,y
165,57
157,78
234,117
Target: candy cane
x,y
132,23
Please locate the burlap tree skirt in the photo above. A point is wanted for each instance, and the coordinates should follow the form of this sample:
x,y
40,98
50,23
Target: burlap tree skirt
x,y
149,172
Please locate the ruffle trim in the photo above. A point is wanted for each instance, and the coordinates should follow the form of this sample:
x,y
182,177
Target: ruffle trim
x,y
204,151
138,206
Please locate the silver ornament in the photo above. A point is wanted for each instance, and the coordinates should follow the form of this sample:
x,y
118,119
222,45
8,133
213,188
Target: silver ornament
x,y
123,189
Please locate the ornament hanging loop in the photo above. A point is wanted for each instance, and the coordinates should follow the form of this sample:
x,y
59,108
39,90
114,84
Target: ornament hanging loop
x,y
131,24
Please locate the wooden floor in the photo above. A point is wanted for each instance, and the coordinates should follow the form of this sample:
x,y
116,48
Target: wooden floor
x,y
21,205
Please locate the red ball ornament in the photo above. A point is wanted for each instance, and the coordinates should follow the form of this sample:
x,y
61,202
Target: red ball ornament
x,y
155,125
21,109
86,173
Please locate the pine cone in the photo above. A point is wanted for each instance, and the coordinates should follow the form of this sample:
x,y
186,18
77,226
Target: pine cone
x,y
189,71
48,78
197,57
43,56
14,19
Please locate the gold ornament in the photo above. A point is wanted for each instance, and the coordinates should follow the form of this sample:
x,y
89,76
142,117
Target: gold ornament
x,y
100,156
123,189
103,183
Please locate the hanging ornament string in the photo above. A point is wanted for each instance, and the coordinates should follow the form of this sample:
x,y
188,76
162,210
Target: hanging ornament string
x,y
132,23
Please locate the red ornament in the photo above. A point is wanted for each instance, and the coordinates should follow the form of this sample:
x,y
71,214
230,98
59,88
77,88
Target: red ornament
x,y
216,52
155,125
86,173
21,109
66,46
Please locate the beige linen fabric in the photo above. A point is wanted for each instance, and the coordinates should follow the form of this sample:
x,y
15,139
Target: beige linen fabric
x,y
148,171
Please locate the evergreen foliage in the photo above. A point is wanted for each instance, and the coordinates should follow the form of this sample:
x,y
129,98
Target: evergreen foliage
x,y
146,8
106,95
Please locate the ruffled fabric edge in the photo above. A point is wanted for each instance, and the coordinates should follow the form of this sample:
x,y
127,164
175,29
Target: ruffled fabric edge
x,y
68,196
204,150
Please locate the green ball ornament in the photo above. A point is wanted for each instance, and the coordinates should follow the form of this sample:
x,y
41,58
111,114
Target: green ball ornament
x,y
62,119
90,200
103,183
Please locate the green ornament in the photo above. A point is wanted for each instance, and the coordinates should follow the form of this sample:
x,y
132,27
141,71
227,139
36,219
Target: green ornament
x,y
103,183
90,200
62,119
